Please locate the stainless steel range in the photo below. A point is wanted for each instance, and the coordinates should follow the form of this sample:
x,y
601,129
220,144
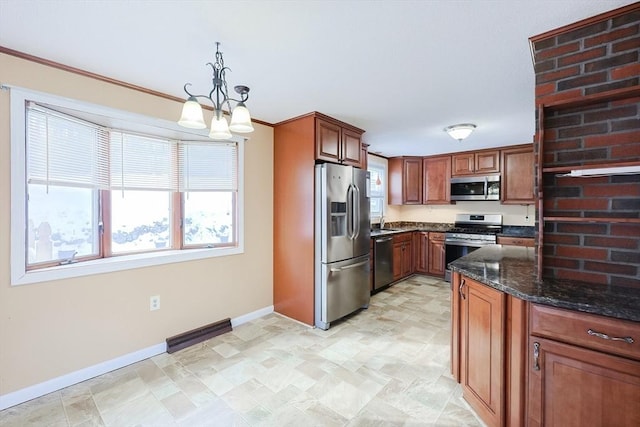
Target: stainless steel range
x,y
470,232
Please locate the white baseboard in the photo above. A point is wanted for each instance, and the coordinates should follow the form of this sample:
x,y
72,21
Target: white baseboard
x,y
237,321
23,395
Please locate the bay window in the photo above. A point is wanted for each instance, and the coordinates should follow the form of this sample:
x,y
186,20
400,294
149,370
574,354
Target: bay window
x,y
87,191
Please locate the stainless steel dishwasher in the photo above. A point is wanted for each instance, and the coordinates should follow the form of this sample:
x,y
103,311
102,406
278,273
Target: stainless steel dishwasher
x,y
383,262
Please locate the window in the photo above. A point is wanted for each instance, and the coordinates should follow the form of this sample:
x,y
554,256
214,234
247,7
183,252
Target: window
x,y
378,173
102,190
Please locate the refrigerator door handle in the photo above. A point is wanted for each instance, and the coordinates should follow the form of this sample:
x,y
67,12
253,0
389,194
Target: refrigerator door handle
x,y
350,224
346,267
356,212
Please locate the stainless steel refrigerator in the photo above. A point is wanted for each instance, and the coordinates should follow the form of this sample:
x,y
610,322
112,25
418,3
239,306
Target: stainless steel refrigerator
x,y
342,242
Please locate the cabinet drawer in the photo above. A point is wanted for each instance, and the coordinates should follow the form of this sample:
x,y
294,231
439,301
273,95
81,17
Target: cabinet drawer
x,y
402,237
586,330
436,236
516,241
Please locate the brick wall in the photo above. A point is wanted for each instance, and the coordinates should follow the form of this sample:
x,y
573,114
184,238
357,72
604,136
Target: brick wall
x,y
596,56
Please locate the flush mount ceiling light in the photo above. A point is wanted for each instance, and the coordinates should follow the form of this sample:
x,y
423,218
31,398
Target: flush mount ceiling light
x,y
460,131
193,118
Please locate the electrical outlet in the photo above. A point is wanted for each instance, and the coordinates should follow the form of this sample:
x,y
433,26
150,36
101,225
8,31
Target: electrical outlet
x,y
526,218
154,303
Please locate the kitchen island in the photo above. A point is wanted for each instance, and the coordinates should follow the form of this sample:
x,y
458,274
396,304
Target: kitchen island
x,y
511,269
535,352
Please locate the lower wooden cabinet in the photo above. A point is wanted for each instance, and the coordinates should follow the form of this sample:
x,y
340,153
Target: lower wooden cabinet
x,y
488,350
402,255
579,374
436,254
482,347
421,250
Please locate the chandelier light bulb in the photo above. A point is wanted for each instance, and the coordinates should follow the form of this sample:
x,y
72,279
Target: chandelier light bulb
x,y
219,127
192,117
241,119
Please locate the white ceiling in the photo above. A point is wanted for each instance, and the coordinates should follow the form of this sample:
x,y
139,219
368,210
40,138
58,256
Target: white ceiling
x,y
401,70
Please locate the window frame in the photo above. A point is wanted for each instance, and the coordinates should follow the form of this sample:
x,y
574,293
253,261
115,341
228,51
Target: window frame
x,y
381,164
20,275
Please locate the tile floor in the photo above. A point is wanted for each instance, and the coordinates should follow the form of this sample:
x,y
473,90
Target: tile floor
x,y
384,366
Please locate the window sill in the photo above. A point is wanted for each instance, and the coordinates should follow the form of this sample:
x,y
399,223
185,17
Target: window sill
x,y
119,263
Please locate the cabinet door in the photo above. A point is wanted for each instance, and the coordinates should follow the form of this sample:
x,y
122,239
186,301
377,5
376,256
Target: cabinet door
x,y
351,148
421,249
412,181
328,141
436,254
517,176
482,350
397,260
487,162
436,172
407,259
572,386
462,164
364,156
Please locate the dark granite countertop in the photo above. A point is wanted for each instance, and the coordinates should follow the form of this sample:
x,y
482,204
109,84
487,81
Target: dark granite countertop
x,y
511,269
517,231
405,227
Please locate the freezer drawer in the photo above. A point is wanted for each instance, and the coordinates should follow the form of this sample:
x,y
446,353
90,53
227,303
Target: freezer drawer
x,y
341,289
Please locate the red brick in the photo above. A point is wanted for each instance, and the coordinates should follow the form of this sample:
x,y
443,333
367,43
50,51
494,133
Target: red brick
x,y
611,113
545,89
557,51
631,70
572,180
612,190
611,62
562,96
611,35
583,204
583,130
581,276
565,144
567,239
606,267
562,263
553,76
632,230
611,242
630,282
581,56
584,228
626,45
577,252
627,152
612,139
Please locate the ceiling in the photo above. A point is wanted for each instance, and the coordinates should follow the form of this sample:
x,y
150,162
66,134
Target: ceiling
x,y
401,70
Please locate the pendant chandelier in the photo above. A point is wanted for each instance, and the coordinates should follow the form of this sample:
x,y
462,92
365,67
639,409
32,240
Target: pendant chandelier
x,y
193,118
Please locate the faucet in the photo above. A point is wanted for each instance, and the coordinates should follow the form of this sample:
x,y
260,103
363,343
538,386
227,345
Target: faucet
x,y
381,222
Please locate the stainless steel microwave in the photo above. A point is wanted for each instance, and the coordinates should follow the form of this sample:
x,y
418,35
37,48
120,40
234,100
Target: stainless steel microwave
x,y
486,187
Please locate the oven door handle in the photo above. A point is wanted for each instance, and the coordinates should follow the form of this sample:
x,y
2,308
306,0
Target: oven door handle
x,y
467,243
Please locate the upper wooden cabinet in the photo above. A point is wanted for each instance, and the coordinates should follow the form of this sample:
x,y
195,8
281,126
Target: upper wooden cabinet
x,y
338,142
475,163
436,173
517,175
405,181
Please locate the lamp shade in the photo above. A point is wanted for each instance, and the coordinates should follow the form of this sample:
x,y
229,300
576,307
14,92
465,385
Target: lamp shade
x,y
241,119
192,115
460,131
219,128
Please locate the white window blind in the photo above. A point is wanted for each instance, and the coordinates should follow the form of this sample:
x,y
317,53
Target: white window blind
x,y
62,150
208,166
142,163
